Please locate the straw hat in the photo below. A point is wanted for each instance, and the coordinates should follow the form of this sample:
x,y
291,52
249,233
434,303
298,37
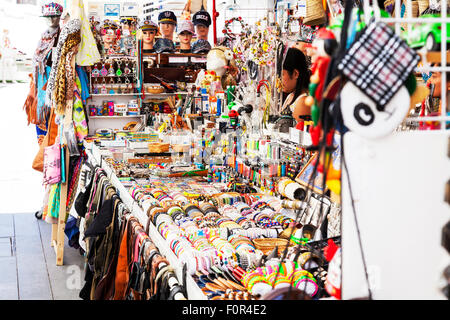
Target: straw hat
x,y
315,13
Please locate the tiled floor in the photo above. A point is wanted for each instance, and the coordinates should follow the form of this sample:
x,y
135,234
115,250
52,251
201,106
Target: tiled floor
x,y
28,262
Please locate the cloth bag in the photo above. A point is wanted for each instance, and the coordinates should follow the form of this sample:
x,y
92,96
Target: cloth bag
x,y
52,164
88,53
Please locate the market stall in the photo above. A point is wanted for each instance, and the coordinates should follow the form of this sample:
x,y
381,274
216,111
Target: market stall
x,y
184,169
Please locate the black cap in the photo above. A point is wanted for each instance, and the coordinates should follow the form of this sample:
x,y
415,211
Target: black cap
x,y
201,46
163,45
167,17
202,17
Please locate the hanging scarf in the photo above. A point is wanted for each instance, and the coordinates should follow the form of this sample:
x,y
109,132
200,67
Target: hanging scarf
x,y
78,114
43,49
72,27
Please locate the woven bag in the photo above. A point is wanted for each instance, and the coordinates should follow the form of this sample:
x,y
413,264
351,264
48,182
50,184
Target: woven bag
x,y
414,9
315,13
423,5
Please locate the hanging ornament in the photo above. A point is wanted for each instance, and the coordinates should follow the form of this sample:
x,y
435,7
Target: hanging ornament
x,y
111,71
104,71
118,71
127,69
95,72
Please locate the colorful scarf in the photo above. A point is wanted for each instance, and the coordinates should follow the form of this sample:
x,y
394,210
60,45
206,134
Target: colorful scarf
x,y
65,75
43,49
71,27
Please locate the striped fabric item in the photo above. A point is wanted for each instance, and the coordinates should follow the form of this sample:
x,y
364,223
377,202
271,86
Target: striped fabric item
x,y
78,114
378,63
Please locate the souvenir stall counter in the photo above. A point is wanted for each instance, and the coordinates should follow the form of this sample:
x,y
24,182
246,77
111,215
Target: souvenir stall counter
x,y
192,289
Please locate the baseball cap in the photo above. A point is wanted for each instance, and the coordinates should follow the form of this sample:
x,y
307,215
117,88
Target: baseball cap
x,y
202,17
201,46
185,25
164,45
148,24
52,9
167,17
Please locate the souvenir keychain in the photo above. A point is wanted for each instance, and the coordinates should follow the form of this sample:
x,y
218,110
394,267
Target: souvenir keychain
x,y
127,69
104,72
129,85
119,86
111,71
111,82
95,86
118,72
95,72
123,86
103,89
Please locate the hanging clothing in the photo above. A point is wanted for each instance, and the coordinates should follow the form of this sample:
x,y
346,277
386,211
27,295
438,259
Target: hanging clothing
x,y
88,53
52,214
43,50
78,114
69,38
42,113
84,84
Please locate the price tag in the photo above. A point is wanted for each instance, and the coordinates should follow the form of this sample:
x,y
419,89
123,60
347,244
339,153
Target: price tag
x,y
199,60
178,59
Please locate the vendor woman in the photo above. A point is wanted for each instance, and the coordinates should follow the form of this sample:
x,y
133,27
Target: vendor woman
x,y
295,81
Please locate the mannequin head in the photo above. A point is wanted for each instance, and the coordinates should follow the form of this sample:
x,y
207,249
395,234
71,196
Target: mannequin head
x,y
185,33
167,23
202,21
149,31
185,40
53,21
167,30
202,31
148,38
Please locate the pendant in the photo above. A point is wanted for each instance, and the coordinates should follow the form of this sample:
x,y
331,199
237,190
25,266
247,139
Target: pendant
x,y
104,72
95,72
127,70
111,71
118,72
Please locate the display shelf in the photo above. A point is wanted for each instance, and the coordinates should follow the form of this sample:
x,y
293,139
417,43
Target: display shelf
x,y
114,94
193,290
114,117
162,95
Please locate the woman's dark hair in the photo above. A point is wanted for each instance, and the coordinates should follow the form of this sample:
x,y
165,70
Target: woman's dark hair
x,y
295,59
